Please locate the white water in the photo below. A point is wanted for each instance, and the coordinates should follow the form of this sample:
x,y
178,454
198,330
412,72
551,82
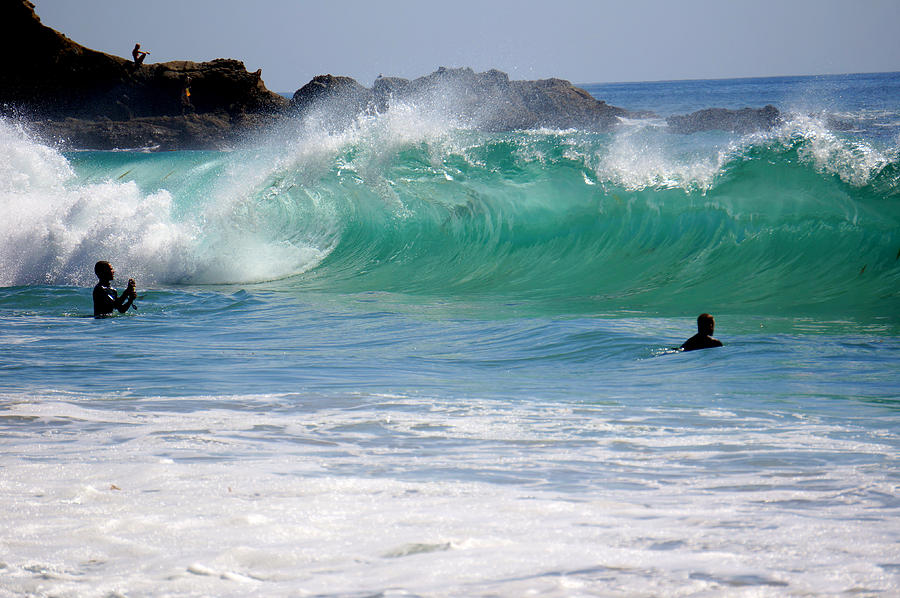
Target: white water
x,y
56,226
295,496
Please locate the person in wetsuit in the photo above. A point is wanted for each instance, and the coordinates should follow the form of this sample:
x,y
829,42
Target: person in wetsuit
x,y
106,299
706,325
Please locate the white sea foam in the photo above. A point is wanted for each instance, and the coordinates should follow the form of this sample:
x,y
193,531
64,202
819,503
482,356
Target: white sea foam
x,y
428,498
25,164
638,158
853,160
56,227
642,155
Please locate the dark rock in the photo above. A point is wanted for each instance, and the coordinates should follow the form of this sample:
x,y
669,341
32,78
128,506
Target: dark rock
x,y
331,89
191,131
338,100
488,100
559,104
93,100
73,92
745,120
386,89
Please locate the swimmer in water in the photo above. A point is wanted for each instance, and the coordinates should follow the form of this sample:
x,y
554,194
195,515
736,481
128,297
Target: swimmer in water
x,y
106,299
706,325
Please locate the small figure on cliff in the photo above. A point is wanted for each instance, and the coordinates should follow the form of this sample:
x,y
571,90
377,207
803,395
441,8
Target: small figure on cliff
x,y
186,105
706,325
138,54
106,299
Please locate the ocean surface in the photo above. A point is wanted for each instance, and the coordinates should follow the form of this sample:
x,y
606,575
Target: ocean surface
x,y
409,358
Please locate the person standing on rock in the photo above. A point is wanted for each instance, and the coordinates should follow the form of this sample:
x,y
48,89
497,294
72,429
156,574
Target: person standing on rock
x,y
138,54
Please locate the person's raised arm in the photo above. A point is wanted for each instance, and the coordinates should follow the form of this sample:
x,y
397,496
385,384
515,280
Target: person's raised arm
x,y
127,298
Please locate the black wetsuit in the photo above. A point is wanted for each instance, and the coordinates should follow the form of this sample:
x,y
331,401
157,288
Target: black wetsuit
x,y
700,341
106,299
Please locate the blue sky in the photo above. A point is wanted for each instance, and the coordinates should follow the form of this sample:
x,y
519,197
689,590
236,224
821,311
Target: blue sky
x,y
579,40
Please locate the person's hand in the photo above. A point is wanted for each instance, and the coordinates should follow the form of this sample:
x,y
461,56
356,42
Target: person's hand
x,y
130,289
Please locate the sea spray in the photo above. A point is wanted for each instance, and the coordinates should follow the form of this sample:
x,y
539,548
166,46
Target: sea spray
x,y
161,218
793,220
55,227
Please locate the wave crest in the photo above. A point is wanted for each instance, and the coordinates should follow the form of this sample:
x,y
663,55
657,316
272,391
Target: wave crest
x,y
797,218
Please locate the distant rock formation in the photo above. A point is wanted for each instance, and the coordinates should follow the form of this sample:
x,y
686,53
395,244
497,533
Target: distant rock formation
x,y
745,120
488,101
339,90
100,101
92,100
337,100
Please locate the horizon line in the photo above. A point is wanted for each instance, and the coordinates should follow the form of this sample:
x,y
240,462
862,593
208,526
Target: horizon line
x,y
689,79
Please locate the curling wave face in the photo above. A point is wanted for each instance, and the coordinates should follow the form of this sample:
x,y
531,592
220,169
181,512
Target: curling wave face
x,y
796,220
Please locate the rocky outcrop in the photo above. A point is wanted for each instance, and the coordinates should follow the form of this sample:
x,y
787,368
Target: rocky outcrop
x,y
191,131
336,100
104,101
387,88
331,89
488,100
745,120
93,100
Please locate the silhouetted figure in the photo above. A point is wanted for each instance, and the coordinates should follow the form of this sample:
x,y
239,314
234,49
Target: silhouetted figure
x,y
186,105
106,299
706,325
138,54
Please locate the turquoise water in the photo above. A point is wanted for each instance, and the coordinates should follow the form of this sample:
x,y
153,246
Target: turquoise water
x,y
415,358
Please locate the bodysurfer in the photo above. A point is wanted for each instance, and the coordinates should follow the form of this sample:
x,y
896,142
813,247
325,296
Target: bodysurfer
x,y
106,299
706,325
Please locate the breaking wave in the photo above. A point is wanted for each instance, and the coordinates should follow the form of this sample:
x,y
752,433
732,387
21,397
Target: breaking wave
x,y
794,220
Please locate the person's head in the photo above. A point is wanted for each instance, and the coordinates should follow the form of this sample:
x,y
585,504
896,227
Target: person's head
x,y
706,324
104,270
137,46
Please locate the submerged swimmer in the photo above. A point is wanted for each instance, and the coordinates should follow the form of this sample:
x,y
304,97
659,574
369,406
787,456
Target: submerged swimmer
x,y
106,299
706,325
